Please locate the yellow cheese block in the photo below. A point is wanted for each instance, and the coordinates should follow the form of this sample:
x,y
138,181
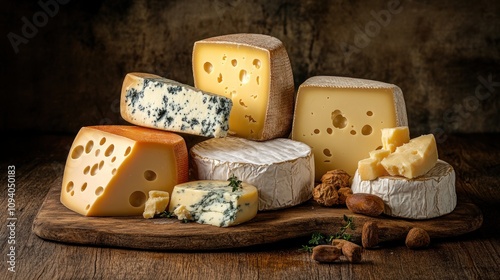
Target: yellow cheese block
x,y
341,119
414,158
110,169
395,137
255,72
371,168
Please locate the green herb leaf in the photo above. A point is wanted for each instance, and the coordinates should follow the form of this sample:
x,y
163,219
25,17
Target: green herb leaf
x,y
234,183
306,248
319,239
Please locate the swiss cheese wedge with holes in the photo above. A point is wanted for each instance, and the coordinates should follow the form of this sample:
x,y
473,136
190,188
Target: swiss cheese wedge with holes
x,y
255,72
111,169
341,119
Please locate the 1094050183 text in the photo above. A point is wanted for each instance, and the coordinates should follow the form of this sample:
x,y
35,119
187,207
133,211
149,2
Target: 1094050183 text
x,y
11,218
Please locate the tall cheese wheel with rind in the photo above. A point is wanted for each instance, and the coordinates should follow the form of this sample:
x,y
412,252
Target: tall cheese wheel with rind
x,y
341,119
152,101
281,169
428,196
214,202
255,72
111,169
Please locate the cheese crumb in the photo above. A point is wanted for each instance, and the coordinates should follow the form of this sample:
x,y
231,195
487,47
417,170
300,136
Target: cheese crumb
x,y
183,213
156,203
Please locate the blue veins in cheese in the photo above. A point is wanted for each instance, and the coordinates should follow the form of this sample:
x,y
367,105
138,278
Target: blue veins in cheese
x,y
214,202
152,101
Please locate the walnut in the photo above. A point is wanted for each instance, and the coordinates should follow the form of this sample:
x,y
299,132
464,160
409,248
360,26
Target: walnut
x,y
337,177
326,195
343,194
334,188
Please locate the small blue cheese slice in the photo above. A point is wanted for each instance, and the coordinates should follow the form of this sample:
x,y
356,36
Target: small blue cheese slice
x,y
214,202
156,102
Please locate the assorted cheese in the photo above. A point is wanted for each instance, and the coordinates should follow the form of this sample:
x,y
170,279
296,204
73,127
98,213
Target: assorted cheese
x,y
282,169
428,196
153,101
341,119
255,72
110,169
245,90
214,202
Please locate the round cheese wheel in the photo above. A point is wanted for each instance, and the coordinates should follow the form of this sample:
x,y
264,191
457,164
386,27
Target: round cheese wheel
x,y
428,196
282,169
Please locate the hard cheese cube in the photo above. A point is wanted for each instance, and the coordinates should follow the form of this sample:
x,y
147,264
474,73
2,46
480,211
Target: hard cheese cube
x,y
414,158
254,71
156,203
214,202
153,101
110,169
341,119
371,168
394,137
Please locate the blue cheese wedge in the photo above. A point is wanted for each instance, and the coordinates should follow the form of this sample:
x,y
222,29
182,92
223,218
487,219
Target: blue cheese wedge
x,y
156,102
214,202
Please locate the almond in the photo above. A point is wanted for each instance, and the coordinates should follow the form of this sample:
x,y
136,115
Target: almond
x,y
369,235
326,253
366,204
417,238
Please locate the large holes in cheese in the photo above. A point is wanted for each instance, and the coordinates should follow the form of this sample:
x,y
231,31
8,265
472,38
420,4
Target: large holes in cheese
x,y
137,199
351,113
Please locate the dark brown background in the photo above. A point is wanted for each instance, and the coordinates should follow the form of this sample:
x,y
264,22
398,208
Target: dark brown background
x,y
445,55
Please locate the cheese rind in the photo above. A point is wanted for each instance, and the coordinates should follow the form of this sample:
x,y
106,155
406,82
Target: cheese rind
x,y
214,202
282,169
110,169
395,137
428,196
341,119
156,102
414,158
255,72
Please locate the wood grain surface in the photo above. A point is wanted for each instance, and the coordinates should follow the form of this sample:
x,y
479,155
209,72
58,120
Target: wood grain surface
x,y
56,222
39,162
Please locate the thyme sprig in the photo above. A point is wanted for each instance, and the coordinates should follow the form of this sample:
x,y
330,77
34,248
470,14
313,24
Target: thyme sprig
x,y
320,239
234,183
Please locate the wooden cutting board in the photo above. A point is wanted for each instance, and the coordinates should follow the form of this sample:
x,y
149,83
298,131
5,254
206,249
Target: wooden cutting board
x,y
55,222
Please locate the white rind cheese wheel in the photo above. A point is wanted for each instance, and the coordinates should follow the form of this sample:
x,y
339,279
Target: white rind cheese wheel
x,y
428,196
281,169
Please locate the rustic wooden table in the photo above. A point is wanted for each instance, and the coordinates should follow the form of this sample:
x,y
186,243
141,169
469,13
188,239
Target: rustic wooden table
x,y
39,162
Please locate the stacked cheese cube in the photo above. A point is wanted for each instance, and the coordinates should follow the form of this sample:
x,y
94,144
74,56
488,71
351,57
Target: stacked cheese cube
x,y
408,175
